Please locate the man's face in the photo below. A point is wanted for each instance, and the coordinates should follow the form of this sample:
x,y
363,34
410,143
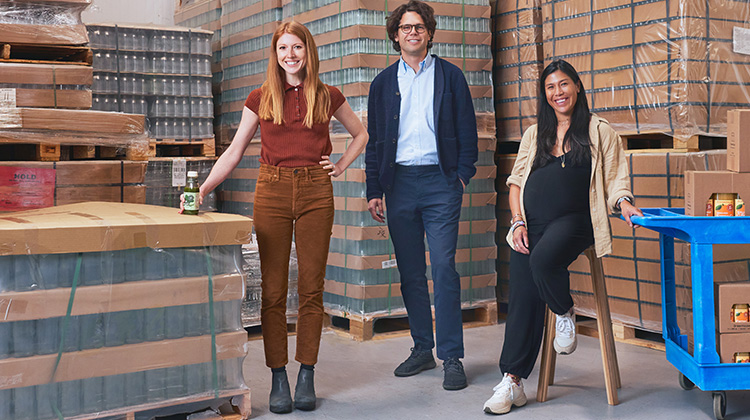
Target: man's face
x,y
413,43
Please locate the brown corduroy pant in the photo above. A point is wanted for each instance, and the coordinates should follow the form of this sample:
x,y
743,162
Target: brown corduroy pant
x,y
299,202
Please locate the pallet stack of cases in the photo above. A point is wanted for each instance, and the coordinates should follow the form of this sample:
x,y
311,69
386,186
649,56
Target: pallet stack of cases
x,y
353,48
46,79
165,74
668,67
115,309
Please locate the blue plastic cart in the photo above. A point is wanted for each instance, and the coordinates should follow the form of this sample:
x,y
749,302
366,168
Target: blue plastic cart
x,y
703,367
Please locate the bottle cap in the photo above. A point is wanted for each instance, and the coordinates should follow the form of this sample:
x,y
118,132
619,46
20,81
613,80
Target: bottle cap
x,y
192,174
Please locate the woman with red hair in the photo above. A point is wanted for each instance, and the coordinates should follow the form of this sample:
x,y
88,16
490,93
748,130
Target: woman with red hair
x,y
293,197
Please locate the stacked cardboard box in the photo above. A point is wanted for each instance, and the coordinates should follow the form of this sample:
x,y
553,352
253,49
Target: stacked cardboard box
x,y
42,22
518,63
118,310
27,185
733,327
664,66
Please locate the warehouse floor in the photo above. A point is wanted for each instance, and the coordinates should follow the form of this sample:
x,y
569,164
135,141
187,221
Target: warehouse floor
x,y
355,381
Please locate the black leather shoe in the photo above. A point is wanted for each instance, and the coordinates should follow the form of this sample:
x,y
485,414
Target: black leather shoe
x,y
304,392
454,377
417,361
280,400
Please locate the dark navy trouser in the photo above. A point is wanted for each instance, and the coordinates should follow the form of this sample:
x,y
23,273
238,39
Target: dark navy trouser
x,y
423,203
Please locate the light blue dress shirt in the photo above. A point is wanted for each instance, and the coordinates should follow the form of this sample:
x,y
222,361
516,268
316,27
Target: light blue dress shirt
x,y
417,143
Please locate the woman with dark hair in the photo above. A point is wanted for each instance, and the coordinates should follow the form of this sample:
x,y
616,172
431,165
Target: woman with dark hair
x,y
293,197
570,170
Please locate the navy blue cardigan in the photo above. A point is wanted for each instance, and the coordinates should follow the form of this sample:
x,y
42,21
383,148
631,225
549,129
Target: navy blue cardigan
x,y
455,125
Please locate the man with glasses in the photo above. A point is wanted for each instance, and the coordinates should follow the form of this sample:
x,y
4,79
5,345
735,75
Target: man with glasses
x,y
421,155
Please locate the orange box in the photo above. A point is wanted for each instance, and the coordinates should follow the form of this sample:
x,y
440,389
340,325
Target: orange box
x,y
738,140
700,185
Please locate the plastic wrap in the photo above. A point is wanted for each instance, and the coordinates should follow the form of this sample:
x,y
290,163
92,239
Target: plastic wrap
x,y
113,308
252,303
161,72
162,175
43,22
74,127
662,66
46,85
353,48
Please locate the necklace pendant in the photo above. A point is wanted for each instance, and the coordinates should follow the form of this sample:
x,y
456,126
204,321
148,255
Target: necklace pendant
x,y
563,164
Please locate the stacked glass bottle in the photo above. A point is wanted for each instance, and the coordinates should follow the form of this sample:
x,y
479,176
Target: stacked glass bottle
x,y
163,73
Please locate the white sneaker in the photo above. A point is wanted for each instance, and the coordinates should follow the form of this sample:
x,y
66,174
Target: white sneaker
x,y
507,394
565,333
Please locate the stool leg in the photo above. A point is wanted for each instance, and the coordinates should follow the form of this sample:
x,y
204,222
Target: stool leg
x,y
547,364
604,324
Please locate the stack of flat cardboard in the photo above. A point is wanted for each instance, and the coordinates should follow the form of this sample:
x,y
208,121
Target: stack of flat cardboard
x,y
112,308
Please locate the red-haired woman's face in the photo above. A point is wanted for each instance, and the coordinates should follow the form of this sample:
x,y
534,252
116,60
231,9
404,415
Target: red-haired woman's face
x,y
292,55
561,93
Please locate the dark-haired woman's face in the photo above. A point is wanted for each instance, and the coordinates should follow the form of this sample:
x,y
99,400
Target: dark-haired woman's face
x,y
561,93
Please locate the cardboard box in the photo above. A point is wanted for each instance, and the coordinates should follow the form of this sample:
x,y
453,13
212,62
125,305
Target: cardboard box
x,y
738,140
729,344
727,295
700,185
97,226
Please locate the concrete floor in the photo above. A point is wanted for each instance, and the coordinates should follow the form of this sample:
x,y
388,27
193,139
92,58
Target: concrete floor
x,y
355,381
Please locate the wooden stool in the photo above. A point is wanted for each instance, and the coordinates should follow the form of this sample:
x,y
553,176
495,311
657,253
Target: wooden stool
x,y
606,338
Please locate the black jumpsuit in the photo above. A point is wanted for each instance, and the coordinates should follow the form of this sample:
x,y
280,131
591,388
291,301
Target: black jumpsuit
x,y
558,217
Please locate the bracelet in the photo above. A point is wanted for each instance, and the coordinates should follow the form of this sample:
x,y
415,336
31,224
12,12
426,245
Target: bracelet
x,y
516,225
517,215
620,200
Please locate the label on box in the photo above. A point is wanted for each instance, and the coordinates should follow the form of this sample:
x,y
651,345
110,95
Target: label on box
x,y
179,172
26,188
389,263
7,98
741,40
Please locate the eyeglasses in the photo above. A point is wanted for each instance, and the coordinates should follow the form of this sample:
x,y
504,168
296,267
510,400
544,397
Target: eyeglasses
x,y
407,28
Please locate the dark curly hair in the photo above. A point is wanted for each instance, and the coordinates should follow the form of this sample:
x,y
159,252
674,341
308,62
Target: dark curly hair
x,y
419,7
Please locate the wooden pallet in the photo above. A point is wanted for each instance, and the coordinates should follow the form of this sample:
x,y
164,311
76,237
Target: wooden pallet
x,y
647,141
236,406
396,324
49,152
46,54
182,147
623,334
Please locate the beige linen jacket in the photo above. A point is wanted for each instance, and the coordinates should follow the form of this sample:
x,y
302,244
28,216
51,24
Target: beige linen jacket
x,y
609,177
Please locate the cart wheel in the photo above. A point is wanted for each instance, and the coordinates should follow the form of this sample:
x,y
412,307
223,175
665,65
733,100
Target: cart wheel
x,y
686,383
720,404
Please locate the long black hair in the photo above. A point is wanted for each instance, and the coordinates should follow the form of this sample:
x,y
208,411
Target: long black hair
x,y
577,135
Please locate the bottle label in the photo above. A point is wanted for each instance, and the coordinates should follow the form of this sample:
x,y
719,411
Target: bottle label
x,y
191,201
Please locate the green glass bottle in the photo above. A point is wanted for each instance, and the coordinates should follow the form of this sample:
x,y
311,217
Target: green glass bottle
x,y
191,194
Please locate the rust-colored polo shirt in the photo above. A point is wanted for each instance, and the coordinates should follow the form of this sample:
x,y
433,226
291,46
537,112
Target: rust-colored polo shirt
x,y
292,144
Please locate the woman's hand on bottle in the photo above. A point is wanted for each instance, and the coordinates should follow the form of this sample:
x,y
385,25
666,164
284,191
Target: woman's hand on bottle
x,y
327,164
521,240
182,201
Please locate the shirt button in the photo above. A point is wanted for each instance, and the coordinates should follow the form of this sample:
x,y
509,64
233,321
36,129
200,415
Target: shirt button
x,y
296,89
394,140
395,117
392,164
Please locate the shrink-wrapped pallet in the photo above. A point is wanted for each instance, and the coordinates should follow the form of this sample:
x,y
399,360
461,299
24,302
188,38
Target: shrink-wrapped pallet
x,y
111,309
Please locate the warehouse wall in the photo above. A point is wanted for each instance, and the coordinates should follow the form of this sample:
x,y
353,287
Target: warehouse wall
x,y
159,12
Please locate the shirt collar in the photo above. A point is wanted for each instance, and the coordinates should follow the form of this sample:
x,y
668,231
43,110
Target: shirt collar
x,y
288,87
423,65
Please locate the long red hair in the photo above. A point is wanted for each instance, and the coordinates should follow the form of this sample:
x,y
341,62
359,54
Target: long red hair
x,y
316,94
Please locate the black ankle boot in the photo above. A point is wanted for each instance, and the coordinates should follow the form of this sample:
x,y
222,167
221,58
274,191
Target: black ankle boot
x,y
304,392
281,397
